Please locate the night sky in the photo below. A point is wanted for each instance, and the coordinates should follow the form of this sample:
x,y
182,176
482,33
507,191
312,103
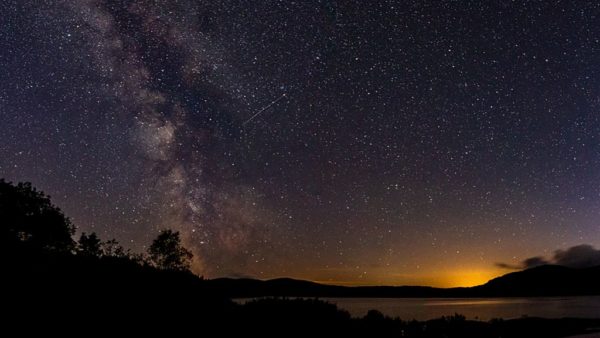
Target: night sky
x,y
349,142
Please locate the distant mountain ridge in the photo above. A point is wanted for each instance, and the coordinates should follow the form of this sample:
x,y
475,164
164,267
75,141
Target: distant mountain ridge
x,y
546,280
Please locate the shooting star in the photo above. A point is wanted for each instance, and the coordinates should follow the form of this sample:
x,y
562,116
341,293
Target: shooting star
x,y
264,108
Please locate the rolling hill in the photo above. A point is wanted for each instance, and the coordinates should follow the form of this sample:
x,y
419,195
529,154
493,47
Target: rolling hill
x,y
547,280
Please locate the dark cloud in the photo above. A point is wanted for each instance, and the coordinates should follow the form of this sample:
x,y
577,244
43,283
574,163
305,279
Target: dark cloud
x,y
534,261
579,256
506,265
525,264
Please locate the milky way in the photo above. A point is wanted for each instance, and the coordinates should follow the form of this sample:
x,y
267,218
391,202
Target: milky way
x,y
350,142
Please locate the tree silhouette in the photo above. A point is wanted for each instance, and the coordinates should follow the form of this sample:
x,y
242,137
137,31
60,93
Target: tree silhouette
x,y
166,252
112,248
89,245
28,219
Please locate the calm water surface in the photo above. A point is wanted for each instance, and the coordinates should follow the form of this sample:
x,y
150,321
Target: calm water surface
x,y
480,308
472,308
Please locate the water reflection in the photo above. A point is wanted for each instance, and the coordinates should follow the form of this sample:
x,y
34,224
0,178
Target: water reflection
x,y
454,302
483,309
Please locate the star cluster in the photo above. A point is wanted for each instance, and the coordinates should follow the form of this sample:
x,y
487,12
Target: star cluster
x,y
395,142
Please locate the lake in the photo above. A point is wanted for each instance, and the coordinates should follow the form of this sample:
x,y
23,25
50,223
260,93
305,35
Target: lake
x,y
473,308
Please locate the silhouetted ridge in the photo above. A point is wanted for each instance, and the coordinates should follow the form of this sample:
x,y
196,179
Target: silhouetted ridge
x,y
547,280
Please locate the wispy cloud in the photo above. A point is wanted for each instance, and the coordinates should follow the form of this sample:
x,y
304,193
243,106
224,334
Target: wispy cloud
x,y
579,256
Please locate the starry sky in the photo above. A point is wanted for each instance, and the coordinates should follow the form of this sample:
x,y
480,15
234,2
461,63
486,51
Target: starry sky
x,y
348,142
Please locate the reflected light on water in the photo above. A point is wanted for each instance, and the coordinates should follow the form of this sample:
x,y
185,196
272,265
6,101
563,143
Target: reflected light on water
x,y
465,302
482,309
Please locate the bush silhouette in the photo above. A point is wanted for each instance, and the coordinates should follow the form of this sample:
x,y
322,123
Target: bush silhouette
x,y
89,245
29,220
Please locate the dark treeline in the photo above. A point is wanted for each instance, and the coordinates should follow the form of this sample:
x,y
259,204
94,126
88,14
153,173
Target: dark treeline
x,y
52,284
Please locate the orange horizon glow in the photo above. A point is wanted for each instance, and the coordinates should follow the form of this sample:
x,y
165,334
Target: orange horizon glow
x,y
445,279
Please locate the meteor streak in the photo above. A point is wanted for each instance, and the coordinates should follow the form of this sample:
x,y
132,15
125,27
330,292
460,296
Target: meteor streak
x,y
264,108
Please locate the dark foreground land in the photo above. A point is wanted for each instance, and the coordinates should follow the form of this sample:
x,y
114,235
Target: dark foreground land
x,y
53,286
90,295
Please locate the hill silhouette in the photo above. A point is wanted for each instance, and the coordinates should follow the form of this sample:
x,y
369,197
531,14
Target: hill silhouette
x,y
547,280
